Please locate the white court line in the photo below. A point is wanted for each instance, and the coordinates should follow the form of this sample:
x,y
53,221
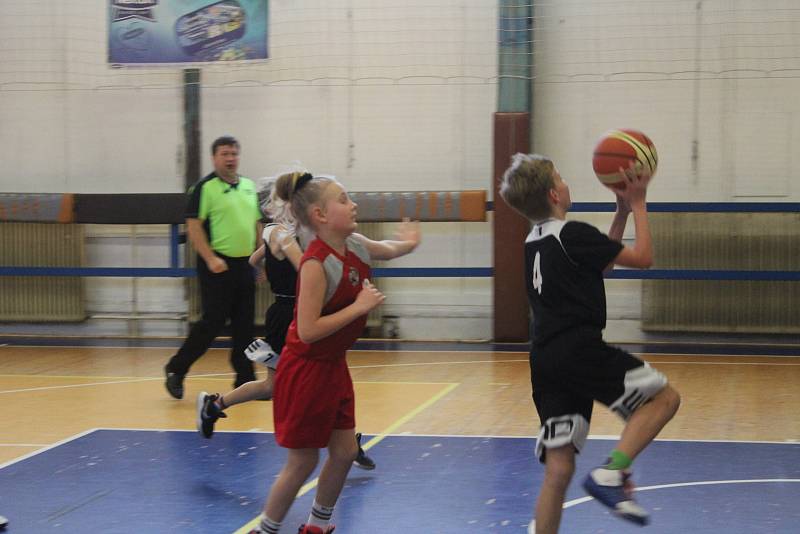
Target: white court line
x,y
372,366
406,435
582,500
471,436
431,363
47,448
413,364
720,363
66,386
88,384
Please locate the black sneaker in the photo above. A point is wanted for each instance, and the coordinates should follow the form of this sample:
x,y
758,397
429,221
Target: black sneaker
x,y
363,461
174,384
3,522
207,413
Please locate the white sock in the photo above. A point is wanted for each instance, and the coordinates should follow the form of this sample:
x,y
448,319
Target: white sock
x,y
268,526
320,515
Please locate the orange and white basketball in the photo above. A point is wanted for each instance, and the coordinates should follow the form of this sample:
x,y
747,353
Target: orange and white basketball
x,y
618,148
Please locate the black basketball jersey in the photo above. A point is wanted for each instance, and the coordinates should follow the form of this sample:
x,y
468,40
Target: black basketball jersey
x,y
564,264
281,274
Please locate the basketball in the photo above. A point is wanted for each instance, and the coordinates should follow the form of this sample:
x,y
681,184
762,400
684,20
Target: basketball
x,y
618,148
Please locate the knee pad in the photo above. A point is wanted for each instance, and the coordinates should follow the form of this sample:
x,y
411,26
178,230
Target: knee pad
x,y
560,431
641,385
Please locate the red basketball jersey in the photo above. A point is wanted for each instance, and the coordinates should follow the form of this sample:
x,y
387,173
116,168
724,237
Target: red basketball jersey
x,y
345,276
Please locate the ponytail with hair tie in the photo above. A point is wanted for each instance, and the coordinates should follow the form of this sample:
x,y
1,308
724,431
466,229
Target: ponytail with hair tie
x,y
300,180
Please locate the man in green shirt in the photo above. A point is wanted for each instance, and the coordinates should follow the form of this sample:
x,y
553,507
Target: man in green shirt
x,y
223,221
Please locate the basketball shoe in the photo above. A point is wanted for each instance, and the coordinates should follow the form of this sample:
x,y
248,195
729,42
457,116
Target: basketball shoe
x,y
207,413
613,488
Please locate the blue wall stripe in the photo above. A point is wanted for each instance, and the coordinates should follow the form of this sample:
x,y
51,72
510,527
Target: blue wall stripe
x,y
688,207
415,272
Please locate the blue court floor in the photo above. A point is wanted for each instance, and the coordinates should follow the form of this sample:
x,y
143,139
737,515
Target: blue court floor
x,y
123,481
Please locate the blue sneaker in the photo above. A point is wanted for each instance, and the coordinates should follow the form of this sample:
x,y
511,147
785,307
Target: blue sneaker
x,y
608,487
207,413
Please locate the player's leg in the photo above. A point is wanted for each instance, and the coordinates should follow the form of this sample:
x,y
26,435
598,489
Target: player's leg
x,y
342,451
255,390
300,463
564,417
647,421
629,387
559,467
210,408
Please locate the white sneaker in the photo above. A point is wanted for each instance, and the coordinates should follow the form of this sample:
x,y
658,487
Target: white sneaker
x,y
260,351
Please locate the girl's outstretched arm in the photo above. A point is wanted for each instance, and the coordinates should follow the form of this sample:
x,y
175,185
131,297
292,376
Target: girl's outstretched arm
x,y
407,238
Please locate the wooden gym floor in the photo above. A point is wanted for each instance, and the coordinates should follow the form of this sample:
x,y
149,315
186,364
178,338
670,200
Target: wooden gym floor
x,y
53,393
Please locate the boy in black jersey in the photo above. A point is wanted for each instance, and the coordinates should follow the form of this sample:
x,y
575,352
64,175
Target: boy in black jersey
x,y
571,365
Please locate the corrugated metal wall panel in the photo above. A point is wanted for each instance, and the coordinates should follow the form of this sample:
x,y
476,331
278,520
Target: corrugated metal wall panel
x,y
746,241
41,298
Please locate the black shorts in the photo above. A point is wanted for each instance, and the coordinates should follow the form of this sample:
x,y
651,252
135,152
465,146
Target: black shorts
x,y
575,368
278,318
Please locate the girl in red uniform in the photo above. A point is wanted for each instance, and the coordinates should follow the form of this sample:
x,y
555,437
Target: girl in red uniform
x,y
314,405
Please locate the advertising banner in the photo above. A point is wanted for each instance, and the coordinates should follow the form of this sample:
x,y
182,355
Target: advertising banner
x,y
153,32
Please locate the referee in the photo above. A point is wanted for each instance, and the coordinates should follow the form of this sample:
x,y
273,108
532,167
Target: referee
x,y
223,221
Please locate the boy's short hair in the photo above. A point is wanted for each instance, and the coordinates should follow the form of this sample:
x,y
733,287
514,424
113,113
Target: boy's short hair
x,y
525,185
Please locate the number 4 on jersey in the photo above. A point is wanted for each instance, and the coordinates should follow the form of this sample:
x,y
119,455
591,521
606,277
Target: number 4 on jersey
x,y
537,273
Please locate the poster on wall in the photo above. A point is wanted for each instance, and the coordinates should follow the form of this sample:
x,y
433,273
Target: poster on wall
x,y
158,32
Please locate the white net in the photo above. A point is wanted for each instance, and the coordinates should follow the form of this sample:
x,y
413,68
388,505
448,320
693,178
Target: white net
x,y
55,45
647,40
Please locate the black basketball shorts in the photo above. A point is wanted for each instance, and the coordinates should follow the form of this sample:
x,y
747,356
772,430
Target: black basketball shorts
x,y
575,368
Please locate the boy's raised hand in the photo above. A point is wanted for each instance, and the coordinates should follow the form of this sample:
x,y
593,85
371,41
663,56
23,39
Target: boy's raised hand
x,y
636,182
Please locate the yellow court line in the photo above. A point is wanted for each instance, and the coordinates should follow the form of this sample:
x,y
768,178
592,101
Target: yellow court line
x,y
368,445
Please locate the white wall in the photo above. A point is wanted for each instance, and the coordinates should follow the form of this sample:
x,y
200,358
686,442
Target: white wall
x,y
724,74
385,95
394,95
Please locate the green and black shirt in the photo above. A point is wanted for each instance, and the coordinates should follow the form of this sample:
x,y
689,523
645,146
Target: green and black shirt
x,y
229,213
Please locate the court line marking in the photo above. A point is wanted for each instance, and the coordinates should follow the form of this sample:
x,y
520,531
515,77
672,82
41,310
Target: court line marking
x,y
368,445
372,442
67,386
150,379
48,447
582,500
606,437
210,376
369,366
465,343
386,365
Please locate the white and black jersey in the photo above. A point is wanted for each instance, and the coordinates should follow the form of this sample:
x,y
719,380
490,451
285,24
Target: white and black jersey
x,y
564,264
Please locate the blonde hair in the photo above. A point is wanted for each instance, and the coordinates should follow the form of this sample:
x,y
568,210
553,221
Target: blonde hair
x,y
275,208
310,193
526,184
